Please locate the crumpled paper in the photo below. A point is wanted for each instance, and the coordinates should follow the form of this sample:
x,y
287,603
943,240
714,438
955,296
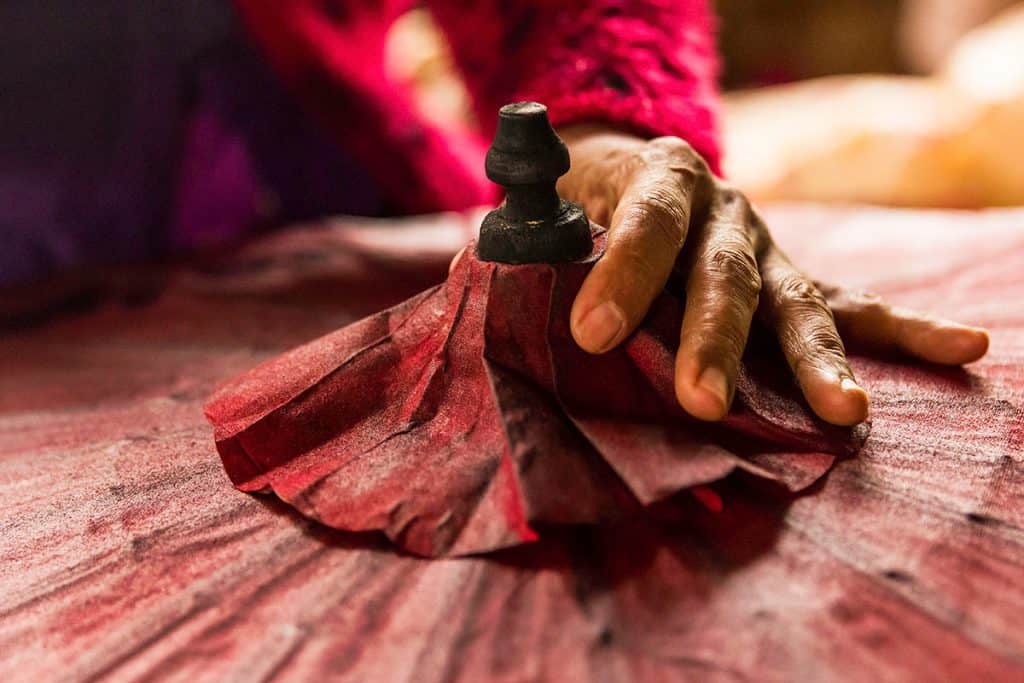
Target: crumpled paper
x,y
465,418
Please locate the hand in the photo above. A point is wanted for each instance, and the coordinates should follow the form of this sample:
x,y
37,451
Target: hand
x,y
660,201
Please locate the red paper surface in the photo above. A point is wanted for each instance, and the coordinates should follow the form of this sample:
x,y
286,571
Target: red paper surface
x,y
466,416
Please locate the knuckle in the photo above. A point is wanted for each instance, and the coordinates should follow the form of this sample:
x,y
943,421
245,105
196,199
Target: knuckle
x,y
870,305
831,291
736,265
732,204
732,197
825,342
662,216
797,290
687,176
735,204
679,156
819,347
674,147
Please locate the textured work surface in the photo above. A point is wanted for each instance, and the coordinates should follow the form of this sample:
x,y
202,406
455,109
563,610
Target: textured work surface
x,y
125,552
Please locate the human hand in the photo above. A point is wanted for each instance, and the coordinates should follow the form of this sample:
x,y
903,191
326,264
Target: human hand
x,y
661,202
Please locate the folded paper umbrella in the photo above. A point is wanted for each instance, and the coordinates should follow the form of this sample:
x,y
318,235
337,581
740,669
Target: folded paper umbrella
x,y
466,418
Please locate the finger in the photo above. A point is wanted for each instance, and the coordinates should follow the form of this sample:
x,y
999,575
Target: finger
x,y
865,320
798,312
647,231
721,298
456,260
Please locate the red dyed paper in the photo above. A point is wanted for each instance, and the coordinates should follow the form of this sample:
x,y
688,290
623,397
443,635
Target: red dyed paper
x,y
464,419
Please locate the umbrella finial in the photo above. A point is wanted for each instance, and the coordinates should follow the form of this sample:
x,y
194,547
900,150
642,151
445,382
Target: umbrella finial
x,y
533,225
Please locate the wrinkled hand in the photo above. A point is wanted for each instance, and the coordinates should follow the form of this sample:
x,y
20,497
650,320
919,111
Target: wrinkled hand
x,y
660,201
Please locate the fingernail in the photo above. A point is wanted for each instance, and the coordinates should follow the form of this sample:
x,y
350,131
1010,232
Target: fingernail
x,y
714,382
600,329
849,385
974,344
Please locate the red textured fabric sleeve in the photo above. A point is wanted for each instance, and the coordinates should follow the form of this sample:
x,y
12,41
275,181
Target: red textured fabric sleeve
x,y
330,54
646,65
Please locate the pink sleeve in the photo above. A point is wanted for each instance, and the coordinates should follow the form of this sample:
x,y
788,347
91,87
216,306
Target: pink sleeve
x,y
646,65
331,56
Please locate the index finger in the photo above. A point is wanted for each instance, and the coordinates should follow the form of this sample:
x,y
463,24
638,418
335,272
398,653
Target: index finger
x,y
647,231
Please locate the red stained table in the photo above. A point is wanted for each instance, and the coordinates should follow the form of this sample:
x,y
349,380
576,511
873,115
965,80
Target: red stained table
x,y
126,554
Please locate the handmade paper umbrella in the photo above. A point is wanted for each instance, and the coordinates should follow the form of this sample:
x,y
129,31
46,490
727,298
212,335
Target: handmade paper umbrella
x,y
466,419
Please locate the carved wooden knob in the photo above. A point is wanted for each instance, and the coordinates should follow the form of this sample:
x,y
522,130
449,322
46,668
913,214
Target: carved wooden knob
x,y
533,225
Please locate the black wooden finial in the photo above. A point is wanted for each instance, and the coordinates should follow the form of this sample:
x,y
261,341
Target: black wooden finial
x,y
533,225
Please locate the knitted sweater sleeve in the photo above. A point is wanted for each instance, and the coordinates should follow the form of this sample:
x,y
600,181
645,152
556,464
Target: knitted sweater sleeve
x,y
330,54
646,65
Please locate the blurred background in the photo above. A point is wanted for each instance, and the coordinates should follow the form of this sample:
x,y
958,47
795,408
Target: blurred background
x,y
909,103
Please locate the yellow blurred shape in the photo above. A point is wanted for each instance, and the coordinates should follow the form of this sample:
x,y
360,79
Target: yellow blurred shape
x,y
952,140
